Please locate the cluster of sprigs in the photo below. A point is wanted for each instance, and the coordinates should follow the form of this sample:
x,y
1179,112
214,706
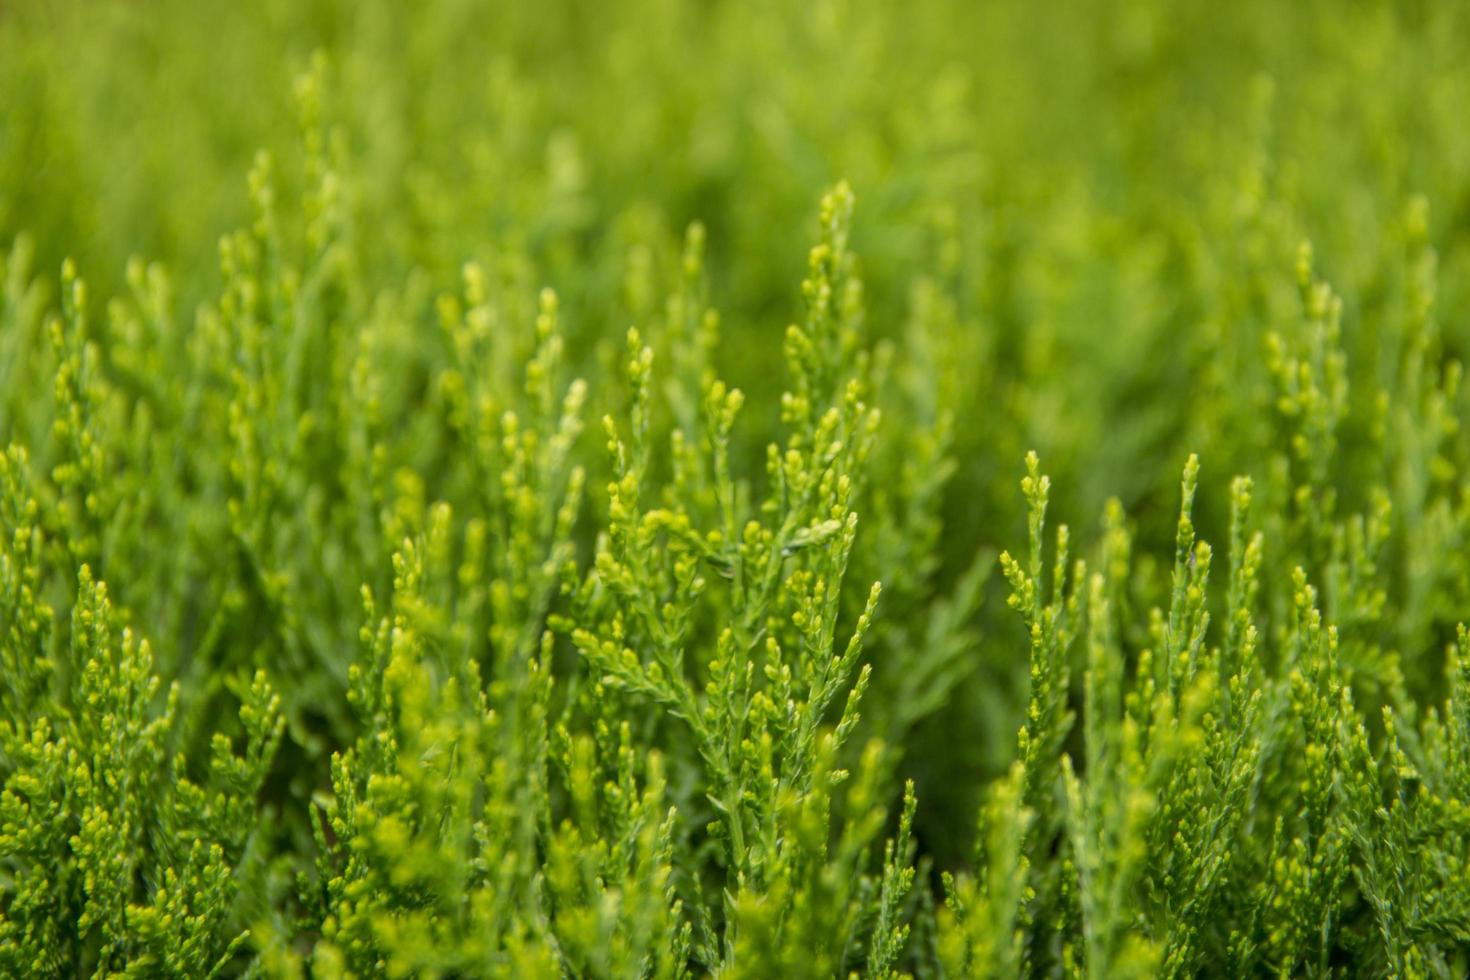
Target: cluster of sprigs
x,y
490,820
121,857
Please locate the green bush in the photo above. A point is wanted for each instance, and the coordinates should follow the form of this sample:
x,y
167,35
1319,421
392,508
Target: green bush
x,y
494,588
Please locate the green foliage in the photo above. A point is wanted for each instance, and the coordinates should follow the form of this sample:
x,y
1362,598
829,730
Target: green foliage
x,y
521,601
118,860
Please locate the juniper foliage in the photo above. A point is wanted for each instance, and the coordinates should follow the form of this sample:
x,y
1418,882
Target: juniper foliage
x,y
374,601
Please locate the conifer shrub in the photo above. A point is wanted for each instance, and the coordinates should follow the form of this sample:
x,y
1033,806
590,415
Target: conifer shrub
x,y
429,556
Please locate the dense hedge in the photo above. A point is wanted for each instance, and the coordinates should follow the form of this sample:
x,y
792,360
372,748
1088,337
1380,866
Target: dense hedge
x,y
571,508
